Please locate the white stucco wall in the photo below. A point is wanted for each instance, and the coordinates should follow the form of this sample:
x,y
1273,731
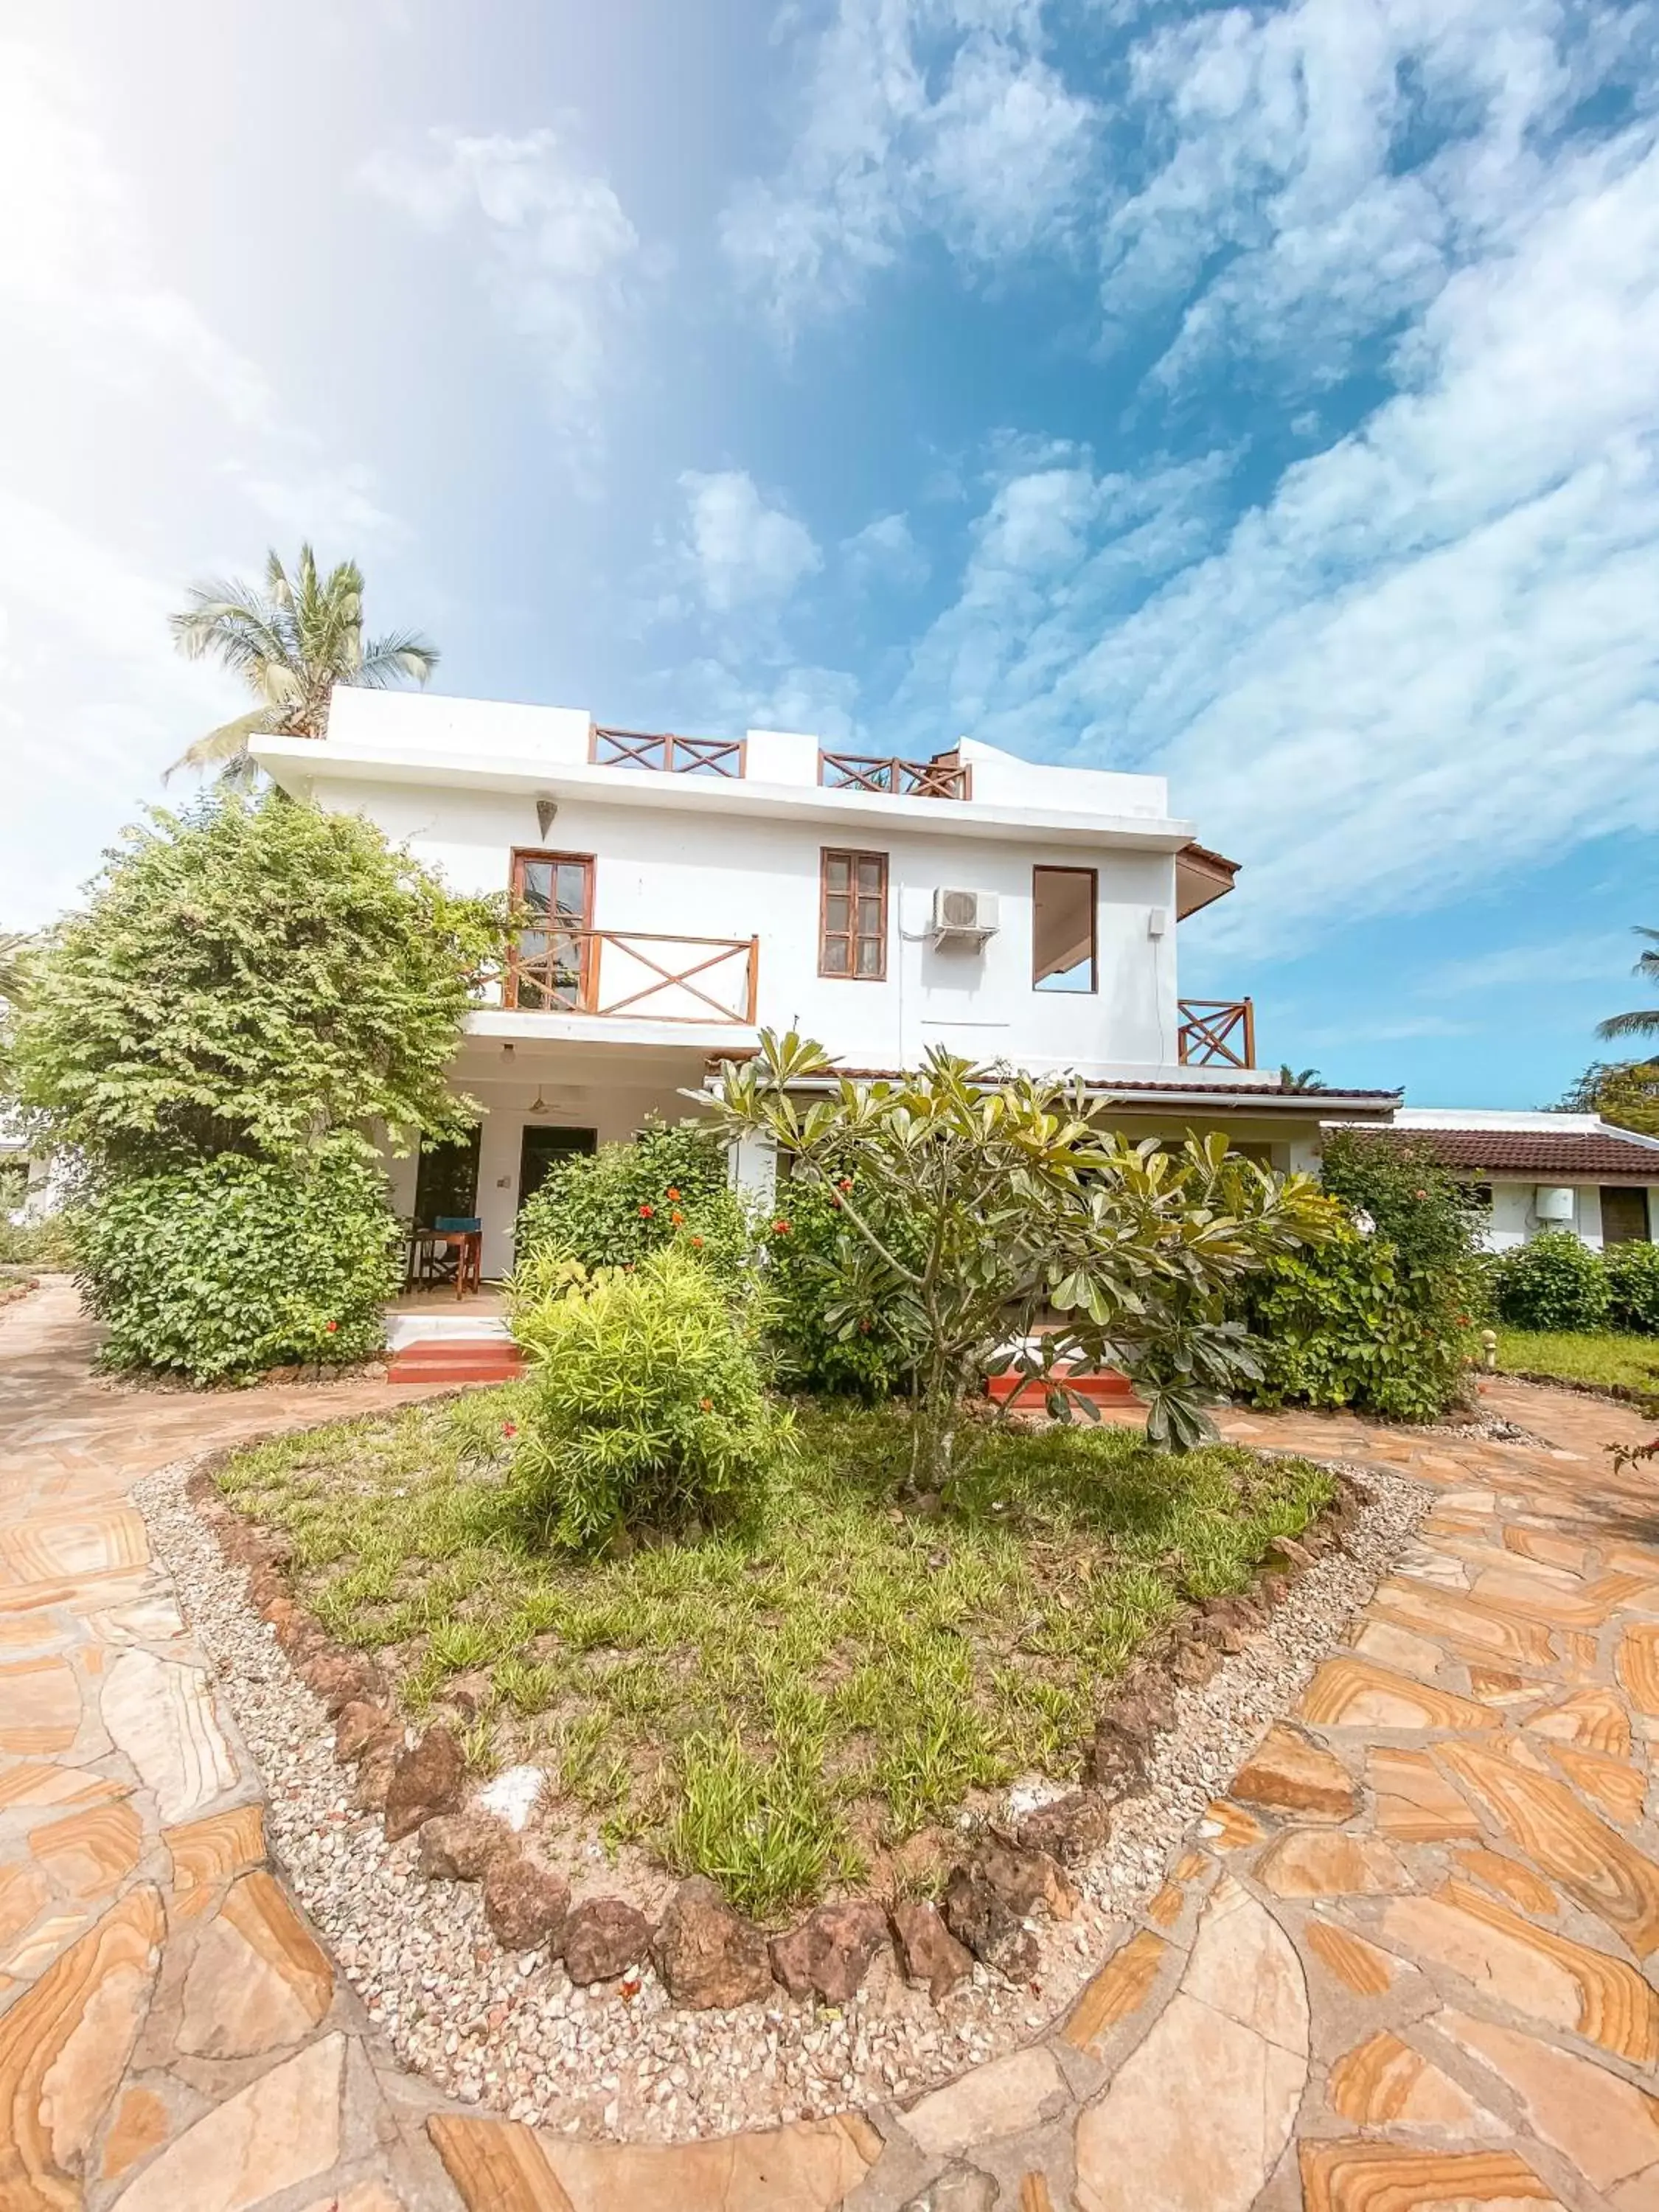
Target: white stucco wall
x,y
1512,1220
658,869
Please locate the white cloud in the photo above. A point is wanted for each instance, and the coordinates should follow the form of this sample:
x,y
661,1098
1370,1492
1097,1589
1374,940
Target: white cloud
x,y
1594,957
939,115
886,553
1427,657
554,248
741,551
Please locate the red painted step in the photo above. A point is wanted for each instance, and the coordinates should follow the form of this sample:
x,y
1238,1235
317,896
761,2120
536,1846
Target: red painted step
x,y
1106,1387
457,1359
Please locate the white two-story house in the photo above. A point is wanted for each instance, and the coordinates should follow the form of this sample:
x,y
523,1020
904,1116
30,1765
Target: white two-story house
x,y
687,892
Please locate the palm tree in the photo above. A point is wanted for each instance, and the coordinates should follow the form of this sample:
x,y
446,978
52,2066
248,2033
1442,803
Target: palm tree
x,y
13,945
290,643
1644,1022
1298,1079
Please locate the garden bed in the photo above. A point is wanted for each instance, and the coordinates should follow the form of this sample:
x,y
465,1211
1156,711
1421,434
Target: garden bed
x,y
1074,1561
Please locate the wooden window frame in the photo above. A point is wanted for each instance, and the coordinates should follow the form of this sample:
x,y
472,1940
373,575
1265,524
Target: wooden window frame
x,y
589,862
1056,868
855,853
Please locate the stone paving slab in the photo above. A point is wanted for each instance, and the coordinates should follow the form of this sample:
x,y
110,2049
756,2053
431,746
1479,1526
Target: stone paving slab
x,y
1411,1963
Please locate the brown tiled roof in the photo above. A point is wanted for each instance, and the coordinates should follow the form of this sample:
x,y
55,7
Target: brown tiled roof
x,y
1272,1095
1572,1155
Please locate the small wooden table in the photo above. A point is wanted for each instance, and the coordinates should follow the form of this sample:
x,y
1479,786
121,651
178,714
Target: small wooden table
x,y
467,1245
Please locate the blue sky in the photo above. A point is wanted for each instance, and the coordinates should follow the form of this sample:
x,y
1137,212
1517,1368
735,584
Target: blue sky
x,y
1266,396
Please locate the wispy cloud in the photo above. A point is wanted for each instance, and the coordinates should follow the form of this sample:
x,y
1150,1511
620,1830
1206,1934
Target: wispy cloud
x,y
551,244
739,551
1597,956
885,554
945,116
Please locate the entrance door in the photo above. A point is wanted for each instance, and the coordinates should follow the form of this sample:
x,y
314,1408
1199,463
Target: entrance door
x,y
446,1181
1624,1215
543,1150
552,962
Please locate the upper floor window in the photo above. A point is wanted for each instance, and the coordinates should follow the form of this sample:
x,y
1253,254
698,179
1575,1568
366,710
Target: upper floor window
x,y
1063,929
551,963
852,915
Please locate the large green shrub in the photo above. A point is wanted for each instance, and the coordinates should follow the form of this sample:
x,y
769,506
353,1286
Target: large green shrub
x,y
220,1267
813,1262
1341,1324
646,1405
1554,1281
1633,1274
246,978
615,1206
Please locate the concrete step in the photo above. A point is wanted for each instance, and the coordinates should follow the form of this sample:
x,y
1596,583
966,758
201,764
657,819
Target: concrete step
x,y
1108,1387
475,1361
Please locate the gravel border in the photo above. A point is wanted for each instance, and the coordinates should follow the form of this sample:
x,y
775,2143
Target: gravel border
x,y
513,2033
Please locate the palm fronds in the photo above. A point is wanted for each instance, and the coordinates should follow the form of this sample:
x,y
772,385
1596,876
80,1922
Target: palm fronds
x,y
1642,1021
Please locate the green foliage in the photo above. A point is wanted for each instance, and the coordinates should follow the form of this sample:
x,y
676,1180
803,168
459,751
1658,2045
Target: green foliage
x,y
1624,1092
614,1208
222,1267
1018,1200
1627,1364
1341,1324
762,1828
247,977
646,1407
44,1243
1633,1277
809,1270
1553,1281
1430,1215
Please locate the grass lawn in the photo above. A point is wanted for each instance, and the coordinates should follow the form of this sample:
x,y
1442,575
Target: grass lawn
x,y
785,1709
1601,1358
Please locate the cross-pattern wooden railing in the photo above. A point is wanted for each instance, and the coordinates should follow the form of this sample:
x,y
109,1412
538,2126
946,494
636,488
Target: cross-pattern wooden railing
x,y
654,973
1217,1032
946,777
662,750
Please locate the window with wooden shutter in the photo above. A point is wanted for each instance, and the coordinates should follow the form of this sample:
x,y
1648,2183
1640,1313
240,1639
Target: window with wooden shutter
x,y
853,916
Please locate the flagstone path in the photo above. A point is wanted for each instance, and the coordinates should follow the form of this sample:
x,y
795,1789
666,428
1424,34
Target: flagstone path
x,y
1410,1964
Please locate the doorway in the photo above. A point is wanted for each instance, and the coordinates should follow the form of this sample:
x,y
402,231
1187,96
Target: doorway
x,y
446,1180
541,1150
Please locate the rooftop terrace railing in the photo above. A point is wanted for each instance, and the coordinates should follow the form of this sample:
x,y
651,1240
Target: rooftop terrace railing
x,y
1217,1032
668,753
945,776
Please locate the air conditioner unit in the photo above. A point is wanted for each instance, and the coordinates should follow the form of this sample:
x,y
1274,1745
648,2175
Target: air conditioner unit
x,y
963,917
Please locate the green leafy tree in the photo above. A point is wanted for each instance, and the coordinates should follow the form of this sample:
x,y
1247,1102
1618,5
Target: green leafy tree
x,y
1624,1092
611,1207
249,977
1021,1203
290,643
1644,1021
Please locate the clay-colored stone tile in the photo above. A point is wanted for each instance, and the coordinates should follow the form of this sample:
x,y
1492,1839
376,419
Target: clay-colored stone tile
x,y
1379,2177
1003,2097
1329,1862
362,2196
1228,1827
1548,1977
207,1852
23,1895
141,2126
1591,1606
1198,2115
1165,1907
1552,1549
496,2165
1578,1657
1401,1649
1617,1788
1415,1803
1518,1883
1034,2194
40,1706
813,2165
1349,1693
150,1620
1593,1719
1476,1632
258,1978
281,2130
1501,1685
1120,1987
1357,1965
1383,2082
1189,1866
88,1853
1638,1668
63,2047
1288,1772
1552,1827
1609,2130
70,1547
161,1716
25,1960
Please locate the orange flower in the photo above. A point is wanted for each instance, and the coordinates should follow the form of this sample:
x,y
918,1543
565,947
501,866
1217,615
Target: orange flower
x,y
780,1228
671,1192
707,1405
331,1326
509,1428
697,1243
677,1218
845,1184
646,1212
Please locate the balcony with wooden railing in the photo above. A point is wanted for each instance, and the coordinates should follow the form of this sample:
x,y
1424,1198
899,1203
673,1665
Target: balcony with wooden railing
x,y
666,753
1217,1032
945,776
644,973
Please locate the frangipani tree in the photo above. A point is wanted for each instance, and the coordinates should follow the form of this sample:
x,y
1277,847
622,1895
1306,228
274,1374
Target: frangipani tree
x,y
980,1203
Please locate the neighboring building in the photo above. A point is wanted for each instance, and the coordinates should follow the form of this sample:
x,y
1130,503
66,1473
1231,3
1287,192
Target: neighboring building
x,y
690,891
1546,1171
